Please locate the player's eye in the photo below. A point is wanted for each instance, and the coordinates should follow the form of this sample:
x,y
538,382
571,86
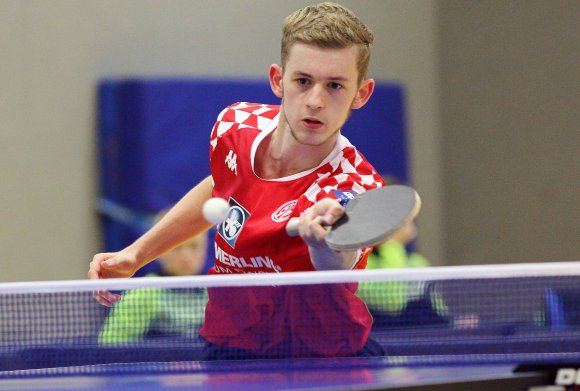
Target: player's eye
x,y
334,85
302,81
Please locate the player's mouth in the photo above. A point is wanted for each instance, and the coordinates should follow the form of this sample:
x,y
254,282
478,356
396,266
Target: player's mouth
x,y
312,123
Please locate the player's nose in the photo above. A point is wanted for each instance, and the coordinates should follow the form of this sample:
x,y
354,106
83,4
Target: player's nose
x,y
315,99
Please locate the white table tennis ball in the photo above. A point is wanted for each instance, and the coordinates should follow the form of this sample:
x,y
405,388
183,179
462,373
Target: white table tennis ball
x,y
215,210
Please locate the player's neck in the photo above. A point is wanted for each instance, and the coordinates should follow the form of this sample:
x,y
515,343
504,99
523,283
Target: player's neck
x,y
279,155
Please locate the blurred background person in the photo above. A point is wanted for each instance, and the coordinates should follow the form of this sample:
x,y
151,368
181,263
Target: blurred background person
x,y
405,303
160,312
397,303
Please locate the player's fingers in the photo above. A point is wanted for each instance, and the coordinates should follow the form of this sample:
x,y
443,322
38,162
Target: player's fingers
x,y
311,228
95,267
106,298
332,216
116,266
93,273
329,209
103,266
98,296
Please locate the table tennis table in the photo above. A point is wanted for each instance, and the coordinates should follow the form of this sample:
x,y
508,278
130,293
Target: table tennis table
x,y
285,374
521,322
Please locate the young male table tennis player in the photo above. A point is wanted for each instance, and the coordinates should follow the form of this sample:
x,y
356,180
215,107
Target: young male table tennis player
x,y
272,163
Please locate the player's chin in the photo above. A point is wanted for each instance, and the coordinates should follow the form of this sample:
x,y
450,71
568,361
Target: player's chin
x,y
313,138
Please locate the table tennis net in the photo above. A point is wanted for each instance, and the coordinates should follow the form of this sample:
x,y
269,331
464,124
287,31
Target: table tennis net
x,y
439,315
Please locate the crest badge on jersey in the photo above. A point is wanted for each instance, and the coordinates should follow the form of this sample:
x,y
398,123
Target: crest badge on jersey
x,y
283,212
234,222
344,196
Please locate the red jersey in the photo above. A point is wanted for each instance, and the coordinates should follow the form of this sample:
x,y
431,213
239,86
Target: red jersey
x,y
297,321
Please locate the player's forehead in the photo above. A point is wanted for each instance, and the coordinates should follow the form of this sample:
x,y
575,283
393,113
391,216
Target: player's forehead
x,y
327,63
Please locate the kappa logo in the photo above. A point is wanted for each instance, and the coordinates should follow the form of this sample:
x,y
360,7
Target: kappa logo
x,y
234,223
231,161
283,212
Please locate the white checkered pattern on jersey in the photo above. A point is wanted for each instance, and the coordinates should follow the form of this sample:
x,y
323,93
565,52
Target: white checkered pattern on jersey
x,y
243,115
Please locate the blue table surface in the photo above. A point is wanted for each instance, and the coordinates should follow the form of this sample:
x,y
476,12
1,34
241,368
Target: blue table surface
x,y
319,374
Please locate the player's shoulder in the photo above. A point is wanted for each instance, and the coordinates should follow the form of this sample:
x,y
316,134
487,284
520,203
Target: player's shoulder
x,y
350,170
248,113
345,174
343,187
244,115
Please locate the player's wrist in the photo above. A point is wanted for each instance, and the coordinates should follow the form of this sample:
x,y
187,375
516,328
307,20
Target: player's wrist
x,y
326,258
135,255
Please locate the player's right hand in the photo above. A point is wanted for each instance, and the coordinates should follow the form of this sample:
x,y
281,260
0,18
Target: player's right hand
x,y
313,222
111,265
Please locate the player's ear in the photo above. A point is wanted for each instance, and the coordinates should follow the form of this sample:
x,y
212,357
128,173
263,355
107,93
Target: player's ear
x,y
365,90
275,76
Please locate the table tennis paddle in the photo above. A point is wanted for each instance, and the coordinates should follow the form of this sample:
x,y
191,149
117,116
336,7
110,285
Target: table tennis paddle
x,y
370,218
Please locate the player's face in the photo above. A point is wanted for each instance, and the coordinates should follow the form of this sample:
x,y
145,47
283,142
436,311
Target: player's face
x,y
319,88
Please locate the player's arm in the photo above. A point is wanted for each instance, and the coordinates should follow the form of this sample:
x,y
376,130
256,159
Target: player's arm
x,y
310,227
182,222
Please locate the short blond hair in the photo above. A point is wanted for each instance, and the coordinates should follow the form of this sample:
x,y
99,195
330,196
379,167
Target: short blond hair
x,y
328,25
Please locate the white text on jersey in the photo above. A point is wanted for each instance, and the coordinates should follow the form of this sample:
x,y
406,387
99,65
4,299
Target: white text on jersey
x,y
243,265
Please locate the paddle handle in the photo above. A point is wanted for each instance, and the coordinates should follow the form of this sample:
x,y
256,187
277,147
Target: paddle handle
x,y
292,226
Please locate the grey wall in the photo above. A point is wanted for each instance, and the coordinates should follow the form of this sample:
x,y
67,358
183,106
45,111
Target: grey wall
x,y
510,120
